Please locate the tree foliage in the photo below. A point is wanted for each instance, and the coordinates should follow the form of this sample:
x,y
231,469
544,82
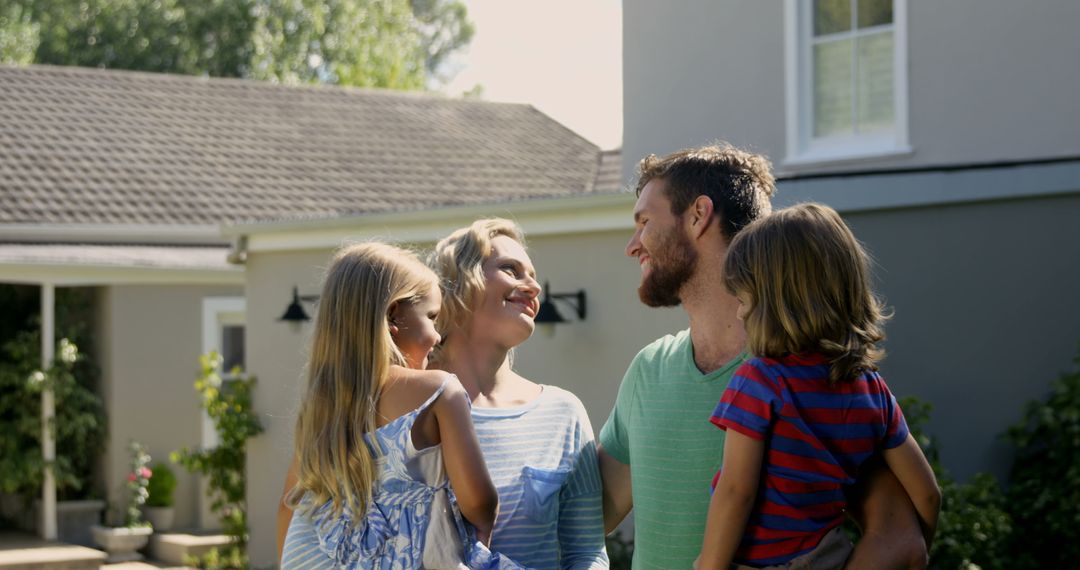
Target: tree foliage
x,y
370,43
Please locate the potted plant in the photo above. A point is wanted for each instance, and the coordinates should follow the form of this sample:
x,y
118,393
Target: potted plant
x,y
122,543
159,502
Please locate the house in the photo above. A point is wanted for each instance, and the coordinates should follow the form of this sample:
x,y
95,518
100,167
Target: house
x,y
946,133
121,182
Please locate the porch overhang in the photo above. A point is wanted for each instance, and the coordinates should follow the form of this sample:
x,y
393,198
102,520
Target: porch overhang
x,y
75,265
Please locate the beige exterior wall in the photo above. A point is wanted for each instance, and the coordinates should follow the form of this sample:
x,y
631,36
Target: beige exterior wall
x,y
587,358
150,338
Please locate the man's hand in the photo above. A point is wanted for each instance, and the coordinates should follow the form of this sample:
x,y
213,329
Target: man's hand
x,y
618,496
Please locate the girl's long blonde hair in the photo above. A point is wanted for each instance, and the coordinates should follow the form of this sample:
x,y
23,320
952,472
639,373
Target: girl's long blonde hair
x,y
808,282
351,355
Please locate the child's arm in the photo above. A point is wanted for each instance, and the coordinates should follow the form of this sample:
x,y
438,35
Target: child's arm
x,y
732,500
909,465
284,513
476,494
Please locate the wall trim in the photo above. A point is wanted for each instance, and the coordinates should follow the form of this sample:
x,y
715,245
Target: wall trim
x,y
82,275
579,214
207,234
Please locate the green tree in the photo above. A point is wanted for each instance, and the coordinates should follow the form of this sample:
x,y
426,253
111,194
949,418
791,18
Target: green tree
x,y
369,43
444,28
18,34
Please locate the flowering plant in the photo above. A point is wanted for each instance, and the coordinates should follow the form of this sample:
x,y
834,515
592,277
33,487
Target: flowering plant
x,y
137,480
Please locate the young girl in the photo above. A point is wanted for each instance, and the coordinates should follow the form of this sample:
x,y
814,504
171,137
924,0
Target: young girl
x,y
810,408
379,440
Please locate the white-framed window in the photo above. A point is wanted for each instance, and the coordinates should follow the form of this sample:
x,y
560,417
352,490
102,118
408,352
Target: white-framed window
x,y
846,79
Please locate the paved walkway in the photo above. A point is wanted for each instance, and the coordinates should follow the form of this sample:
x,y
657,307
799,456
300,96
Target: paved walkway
x,y
20,551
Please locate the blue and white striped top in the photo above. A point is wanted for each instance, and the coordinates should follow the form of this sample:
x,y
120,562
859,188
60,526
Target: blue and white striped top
x,y
542,458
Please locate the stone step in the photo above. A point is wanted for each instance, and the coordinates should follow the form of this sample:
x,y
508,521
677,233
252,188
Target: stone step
x,y
175,547
23,552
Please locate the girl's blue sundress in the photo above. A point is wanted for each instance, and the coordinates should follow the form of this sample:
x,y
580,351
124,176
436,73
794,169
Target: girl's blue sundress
x,y
412,522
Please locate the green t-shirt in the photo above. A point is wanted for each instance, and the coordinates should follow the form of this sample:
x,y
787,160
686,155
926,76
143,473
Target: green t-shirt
x,y
660,428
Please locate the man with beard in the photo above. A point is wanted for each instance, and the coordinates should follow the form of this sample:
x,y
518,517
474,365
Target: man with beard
x,y
658,452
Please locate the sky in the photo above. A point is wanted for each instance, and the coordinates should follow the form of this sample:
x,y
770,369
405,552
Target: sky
x,y
562,56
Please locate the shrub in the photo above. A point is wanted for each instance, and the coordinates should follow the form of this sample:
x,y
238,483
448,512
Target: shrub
x,y
161,487
973,527
229,406
78,427
1044,486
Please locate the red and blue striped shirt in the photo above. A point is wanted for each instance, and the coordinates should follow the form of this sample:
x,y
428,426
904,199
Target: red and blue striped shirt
x,y
816,438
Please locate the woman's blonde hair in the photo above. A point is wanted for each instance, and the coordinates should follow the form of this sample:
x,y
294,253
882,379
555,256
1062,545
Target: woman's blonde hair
x,y
808,283
351,354
459,260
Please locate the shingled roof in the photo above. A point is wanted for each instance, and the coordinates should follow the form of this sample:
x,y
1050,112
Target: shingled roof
x,y
86,146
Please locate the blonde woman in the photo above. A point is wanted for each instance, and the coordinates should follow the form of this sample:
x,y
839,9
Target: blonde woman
x,y
536,439
379,440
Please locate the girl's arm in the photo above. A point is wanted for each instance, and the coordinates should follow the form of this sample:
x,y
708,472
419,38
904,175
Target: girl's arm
x,y
284,513
476,494
909,465
732,500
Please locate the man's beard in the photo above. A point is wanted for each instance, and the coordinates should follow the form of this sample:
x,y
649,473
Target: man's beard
x,y
671,264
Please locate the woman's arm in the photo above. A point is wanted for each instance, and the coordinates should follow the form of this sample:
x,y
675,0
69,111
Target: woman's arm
x,y
284,513
732,500
581,512
909,465
475,492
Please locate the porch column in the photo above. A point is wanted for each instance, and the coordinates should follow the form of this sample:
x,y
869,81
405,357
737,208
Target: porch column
x,y
48,413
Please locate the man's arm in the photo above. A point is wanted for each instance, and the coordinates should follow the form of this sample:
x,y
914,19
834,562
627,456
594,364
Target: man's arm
x,y
891,535
618,498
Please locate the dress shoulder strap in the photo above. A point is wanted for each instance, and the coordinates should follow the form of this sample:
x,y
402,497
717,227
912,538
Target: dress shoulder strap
x,y
435,395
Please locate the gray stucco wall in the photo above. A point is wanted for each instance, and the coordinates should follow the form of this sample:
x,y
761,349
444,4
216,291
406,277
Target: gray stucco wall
x,y
150,340
986,313
988,80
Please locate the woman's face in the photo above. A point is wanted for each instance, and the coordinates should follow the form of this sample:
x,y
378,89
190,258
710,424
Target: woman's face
x,y
510,300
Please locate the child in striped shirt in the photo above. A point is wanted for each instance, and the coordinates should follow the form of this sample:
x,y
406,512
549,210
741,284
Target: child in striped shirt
x,y
810,408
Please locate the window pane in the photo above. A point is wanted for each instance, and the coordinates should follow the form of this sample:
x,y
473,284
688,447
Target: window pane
x,y
232,347
832,88
875,82
875,13
831,16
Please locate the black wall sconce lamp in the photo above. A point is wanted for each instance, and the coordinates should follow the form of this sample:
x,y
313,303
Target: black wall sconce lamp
x,y
295,313
549,314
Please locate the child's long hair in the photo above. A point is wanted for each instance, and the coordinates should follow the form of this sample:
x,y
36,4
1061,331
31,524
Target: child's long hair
x,y
351,354
808,282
